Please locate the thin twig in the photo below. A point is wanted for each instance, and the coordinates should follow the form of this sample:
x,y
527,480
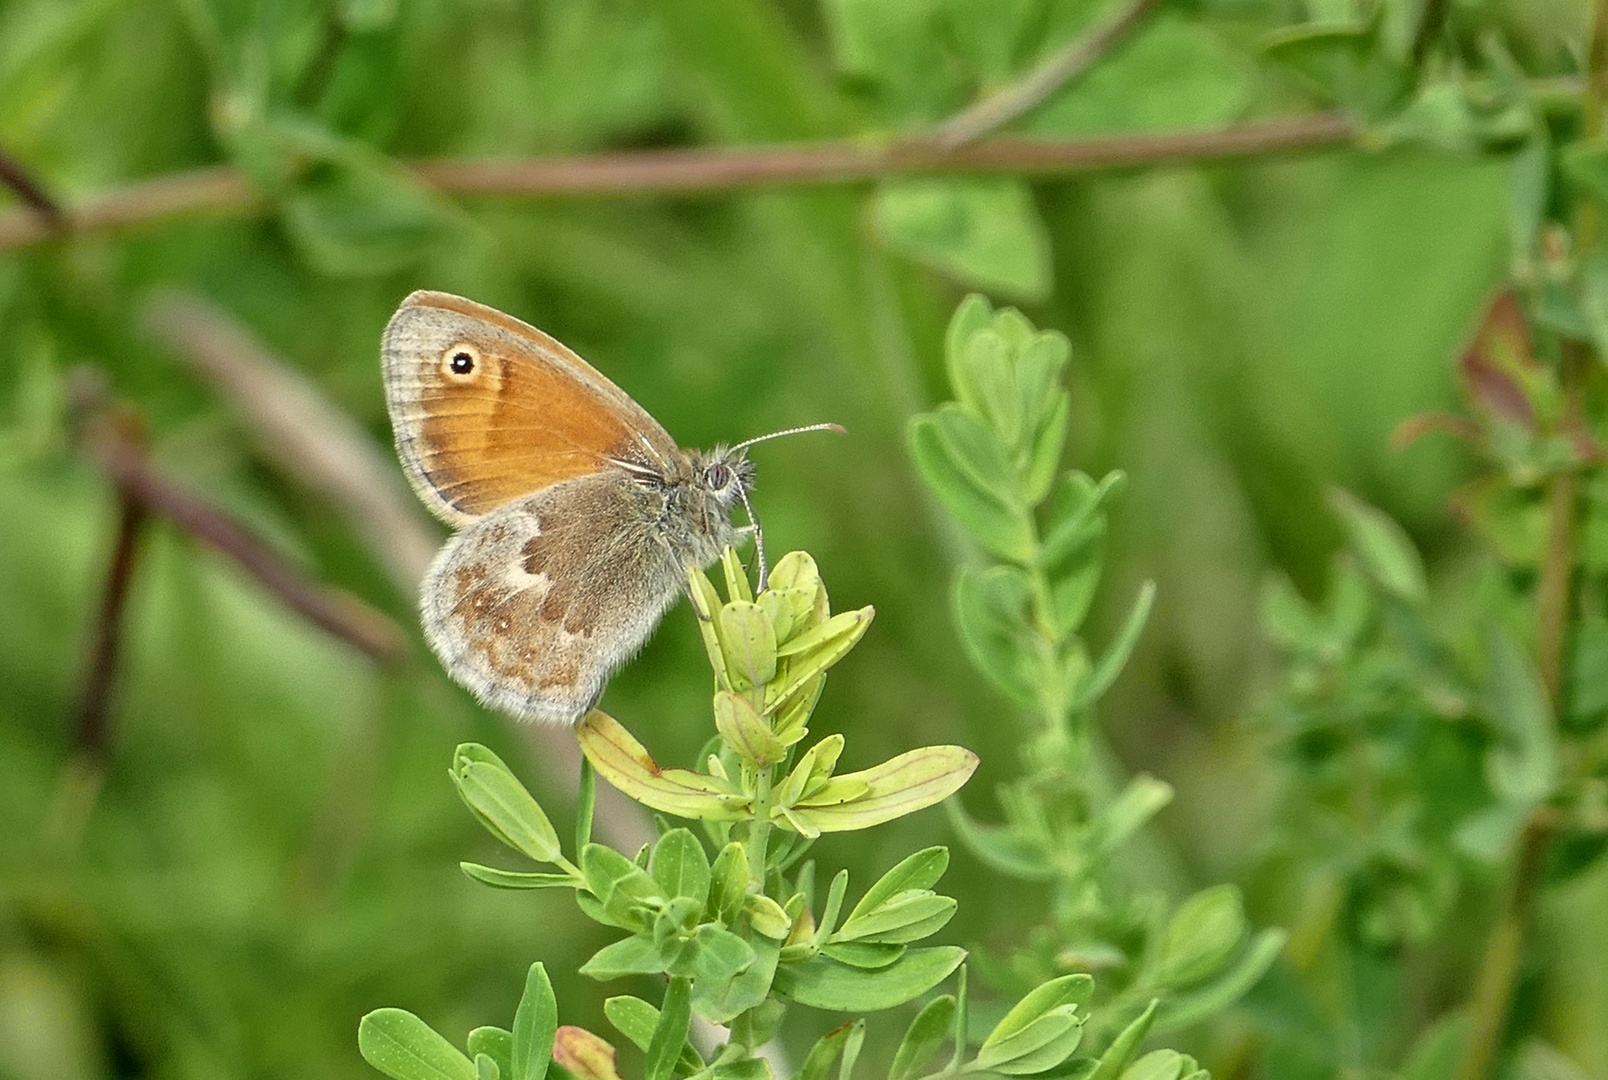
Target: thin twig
x,y
28,188
304,433
100,670
225,190
140,483
1056,72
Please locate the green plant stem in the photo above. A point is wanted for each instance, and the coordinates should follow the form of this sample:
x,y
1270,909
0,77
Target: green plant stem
x,y
1504,950
225,190
759,828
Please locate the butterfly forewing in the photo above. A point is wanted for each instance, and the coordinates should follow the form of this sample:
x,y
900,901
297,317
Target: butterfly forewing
x,y
487,409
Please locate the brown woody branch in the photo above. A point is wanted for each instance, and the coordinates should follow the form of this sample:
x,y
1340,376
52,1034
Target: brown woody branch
x,y
140,484
28,188
225,190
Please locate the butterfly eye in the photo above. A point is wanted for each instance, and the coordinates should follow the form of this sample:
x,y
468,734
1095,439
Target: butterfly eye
x,y
460,361
718,475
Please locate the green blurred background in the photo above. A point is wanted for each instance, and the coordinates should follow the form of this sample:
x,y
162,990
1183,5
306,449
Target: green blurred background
x,y
272,851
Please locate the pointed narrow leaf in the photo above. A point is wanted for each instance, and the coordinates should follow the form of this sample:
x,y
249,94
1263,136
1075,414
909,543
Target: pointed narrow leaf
x,y
999,846
1073,990
636,1020
1382,546
923,1038
402,1046
1122,1048
902,785
1099,680
670,1032
625,763
513,879
1184,1010
824,1053
535,1022
495,796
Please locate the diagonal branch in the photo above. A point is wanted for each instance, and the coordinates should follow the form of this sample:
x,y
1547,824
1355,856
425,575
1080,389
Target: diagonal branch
x,y
225,190
139,483
28,188
1037,86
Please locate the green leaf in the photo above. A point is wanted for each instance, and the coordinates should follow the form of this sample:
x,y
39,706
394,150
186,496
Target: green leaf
x,y
1042,1044
680,866
1184,1010
1002,530
1068,990
1048,445
991,614
636,1020
825,1051
745,731
918,871
824,983
1203,933
670,1033
984,232
730,883
620,885
749,642
805,668
902,785
629,956
511,879
1523,766
1122,1048
973,314
497,1044
1382,547
625,763
1099,680
1001,847
585,805
976,450
402,1046
923,1039
767,917
863,954
501,803
535,1022
1346,62
1141,800
1156,1065
851,1050
731,976
908,917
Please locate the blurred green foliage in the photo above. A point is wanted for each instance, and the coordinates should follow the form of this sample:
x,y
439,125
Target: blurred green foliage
x,y
269,852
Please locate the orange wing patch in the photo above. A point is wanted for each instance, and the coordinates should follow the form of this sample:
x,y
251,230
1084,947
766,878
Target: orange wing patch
x,y
487,409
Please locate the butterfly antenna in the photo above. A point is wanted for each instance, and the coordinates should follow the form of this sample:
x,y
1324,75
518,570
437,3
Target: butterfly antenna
x,y
790,431
759,537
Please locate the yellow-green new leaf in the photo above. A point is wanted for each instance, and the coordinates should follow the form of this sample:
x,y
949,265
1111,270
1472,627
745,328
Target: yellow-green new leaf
x,y
626,764
767,917
804,666
910,782
745,731
705,603
749,642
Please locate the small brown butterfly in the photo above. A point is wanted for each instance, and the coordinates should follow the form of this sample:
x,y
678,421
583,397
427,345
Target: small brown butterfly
x,y
578,515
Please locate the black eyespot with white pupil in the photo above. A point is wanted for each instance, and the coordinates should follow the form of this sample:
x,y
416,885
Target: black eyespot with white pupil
x,y
718,475
462,363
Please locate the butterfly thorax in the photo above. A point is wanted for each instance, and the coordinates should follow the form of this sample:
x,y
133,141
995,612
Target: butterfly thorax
x,y
699,490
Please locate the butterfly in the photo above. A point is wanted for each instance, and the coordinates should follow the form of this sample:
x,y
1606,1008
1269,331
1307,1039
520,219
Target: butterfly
x,y
578,516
